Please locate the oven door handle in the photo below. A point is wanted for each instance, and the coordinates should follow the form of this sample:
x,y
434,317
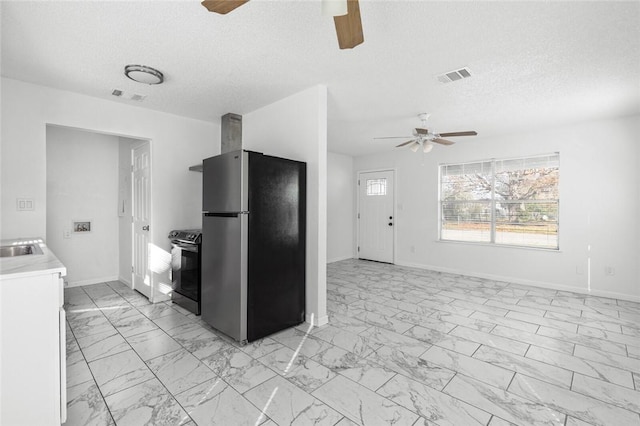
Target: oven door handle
x,y
186,247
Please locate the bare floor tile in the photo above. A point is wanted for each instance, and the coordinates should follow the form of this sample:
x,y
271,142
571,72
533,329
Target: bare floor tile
x,y
403,346
152,343
582,366
216,403
104,344
526,366
362,406
506,405
287,404
432,404
147,403
238,369
86,407
120,371
364,372
588,409
299,369
179,370
472,367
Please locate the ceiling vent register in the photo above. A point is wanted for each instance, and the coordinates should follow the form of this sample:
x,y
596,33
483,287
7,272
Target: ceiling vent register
x,y
131,96
454,75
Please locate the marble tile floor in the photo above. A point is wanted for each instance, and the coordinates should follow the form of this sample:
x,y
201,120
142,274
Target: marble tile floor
x,y
404,346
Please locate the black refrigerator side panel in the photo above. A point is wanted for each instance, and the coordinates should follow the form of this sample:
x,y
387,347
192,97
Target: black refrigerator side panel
x,y
277,238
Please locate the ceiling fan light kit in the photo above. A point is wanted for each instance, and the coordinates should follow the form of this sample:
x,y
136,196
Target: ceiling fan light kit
x,y
346,16
334,7
425,137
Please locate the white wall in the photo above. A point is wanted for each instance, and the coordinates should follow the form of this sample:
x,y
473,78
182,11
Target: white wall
x,y
296,128
176,143
599,201
82,184
340,207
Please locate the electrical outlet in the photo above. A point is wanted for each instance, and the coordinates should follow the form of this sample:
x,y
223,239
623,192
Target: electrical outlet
x,y
609,270
25,204
66,233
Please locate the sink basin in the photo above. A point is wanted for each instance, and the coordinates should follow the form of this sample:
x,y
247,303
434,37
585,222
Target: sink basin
x,y
20,250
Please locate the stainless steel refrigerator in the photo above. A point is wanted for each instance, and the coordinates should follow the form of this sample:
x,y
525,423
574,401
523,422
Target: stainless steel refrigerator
x,y
253,244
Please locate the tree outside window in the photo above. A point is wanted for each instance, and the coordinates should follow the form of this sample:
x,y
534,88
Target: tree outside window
x,y
510,201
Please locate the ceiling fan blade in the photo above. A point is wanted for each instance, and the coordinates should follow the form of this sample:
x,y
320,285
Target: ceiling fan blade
x,y
349,26
405,143
222,6
415,147
442,141
469,133
393,137
422,131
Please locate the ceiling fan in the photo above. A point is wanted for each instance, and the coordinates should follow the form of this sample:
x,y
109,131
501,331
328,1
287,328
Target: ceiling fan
x,y
425,138
347,20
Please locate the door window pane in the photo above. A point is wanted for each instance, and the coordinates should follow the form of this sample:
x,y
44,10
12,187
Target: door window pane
x,y
377,186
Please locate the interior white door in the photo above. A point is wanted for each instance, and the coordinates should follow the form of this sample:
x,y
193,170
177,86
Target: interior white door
x,y
375,216
141,218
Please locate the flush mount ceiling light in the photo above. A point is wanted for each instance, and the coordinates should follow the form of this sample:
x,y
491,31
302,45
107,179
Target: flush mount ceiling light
x,y
143,74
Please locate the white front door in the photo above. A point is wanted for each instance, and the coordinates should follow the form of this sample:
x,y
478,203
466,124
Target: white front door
x,y
141,206
375,217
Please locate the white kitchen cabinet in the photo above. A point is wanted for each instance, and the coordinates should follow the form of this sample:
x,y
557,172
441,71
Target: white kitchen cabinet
x,y
33,346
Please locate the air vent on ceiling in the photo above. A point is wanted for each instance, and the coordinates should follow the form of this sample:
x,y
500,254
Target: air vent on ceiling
x,y
127,95
454,75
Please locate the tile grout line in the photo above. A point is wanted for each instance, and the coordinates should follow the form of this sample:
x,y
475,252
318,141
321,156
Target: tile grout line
x,y
144,362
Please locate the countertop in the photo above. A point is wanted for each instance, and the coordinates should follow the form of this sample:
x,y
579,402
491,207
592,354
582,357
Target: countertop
x,y
30,265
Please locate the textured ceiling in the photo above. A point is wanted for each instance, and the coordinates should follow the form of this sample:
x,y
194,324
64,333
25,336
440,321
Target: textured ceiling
x,y
534,64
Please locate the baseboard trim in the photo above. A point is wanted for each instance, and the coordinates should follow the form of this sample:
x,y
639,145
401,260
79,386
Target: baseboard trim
x,y
316,321
91,281
541,284
125,280
338,259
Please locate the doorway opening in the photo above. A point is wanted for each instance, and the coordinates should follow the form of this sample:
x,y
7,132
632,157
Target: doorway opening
x,y
90,180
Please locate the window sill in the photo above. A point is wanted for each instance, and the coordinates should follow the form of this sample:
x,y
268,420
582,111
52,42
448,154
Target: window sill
x,y
472,243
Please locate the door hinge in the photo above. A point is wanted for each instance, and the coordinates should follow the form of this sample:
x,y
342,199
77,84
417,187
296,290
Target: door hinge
x,y
132,271
358,215
358,182
358,248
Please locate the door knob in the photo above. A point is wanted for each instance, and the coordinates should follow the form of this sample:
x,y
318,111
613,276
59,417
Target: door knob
x,y
390,217
390,224
145,228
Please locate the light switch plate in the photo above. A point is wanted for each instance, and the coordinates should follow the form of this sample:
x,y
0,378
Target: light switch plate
x,y
25,204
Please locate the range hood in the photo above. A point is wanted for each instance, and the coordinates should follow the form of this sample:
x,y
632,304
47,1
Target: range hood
x,y
230,137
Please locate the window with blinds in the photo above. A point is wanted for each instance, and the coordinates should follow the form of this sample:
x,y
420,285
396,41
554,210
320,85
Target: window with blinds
x,y
510,201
